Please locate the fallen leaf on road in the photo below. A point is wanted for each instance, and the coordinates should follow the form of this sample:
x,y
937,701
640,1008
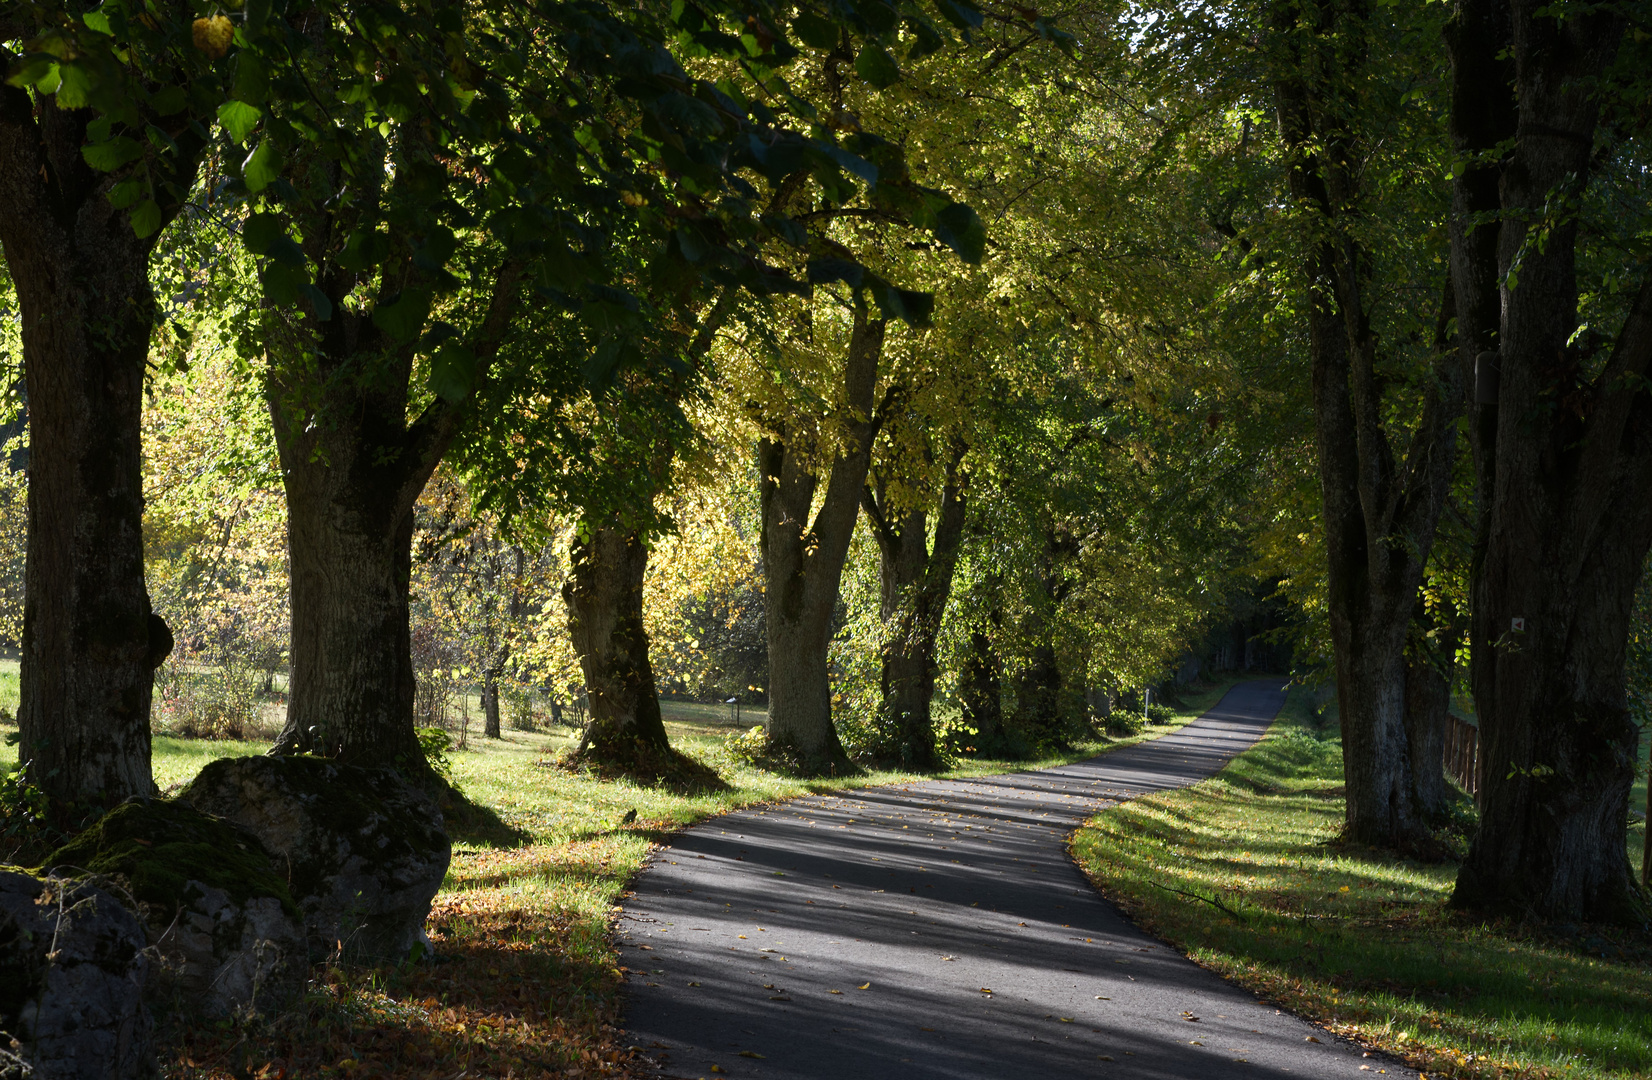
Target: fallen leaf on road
x,y
1309,1038
864,986
1065,1019
986,990
750,1053
834,991
694,984
1100,998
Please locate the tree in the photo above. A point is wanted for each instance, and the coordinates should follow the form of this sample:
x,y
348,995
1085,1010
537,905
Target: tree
x,y
1548,115
102,111
1384,483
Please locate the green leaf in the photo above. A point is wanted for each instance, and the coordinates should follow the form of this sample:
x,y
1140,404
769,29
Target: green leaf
x,y
238,119
111,155
262,166
146,218
252,81
97,20
815,30
169,100
960,228
318,300
452,373
403,317
75,89
262,230
911,307
32,70
876,66
283,283
364,249
284,250
961,13
126,192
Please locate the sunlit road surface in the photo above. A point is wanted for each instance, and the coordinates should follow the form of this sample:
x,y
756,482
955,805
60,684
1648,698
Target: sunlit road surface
x,y
939,929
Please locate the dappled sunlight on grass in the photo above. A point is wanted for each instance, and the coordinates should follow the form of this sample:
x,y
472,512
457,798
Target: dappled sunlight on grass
x,y
1245,872
525,980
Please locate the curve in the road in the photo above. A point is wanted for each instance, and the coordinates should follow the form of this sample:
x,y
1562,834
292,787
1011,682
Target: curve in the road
x,y
939,929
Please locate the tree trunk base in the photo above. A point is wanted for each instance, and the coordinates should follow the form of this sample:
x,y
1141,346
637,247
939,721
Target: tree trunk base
x,y
647,765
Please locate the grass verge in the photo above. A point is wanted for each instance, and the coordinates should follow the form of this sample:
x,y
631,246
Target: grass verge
x,y
1245,874
526,981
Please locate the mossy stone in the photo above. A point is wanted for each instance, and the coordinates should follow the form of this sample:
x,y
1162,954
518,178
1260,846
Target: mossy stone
x,y
160,846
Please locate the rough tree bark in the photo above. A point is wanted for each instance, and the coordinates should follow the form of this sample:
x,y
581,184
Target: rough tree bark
x,y
90,640
1565,469
916,585
1427,705
803,559
490,707
354,462
604,596
1380,510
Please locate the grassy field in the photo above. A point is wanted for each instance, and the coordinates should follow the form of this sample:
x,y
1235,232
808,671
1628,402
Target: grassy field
x,y
525,979
1364,943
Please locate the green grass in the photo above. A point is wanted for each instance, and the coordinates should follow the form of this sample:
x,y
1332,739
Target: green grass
x,y
1357,940
529,974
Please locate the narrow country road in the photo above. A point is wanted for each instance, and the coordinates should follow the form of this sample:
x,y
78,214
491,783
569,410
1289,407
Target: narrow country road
x,y
939,929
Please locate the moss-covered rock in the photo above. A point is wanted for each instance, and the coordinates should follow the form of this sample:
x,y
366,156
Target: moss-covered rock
x,y
160,847
363,851
72,972
226,927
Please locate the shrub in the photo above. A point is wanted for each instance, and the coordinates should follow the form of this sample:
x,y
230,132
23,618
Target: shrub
x,y
435,743
1160,714
1125,722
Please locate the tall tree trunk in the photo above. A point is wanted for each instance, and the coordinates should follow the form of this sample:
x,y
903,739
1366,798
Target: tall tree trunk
x,y
350,551
354,460
90,640
1380,511
490,706
803,560
1566,480
1427,706
605,620
980,685
916,584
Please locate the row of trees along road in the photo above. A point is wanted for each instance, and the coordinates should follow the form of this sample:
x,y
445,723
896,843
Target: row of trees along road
x,y
1070,319
1453,212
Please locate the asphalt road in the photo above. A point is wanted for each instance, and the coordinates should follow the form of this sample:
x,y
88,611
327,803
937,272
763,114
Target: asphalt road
x,y
938,930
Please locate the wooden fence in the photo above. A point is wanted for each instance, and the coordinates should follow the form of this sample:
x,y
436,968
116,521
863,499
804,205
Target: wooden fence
x,y
1462,754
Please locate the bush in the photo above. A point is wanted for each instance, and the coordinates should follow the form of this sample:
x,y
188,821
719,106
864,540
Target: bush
x,y
1160,714
748,746
435,743
1125,722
